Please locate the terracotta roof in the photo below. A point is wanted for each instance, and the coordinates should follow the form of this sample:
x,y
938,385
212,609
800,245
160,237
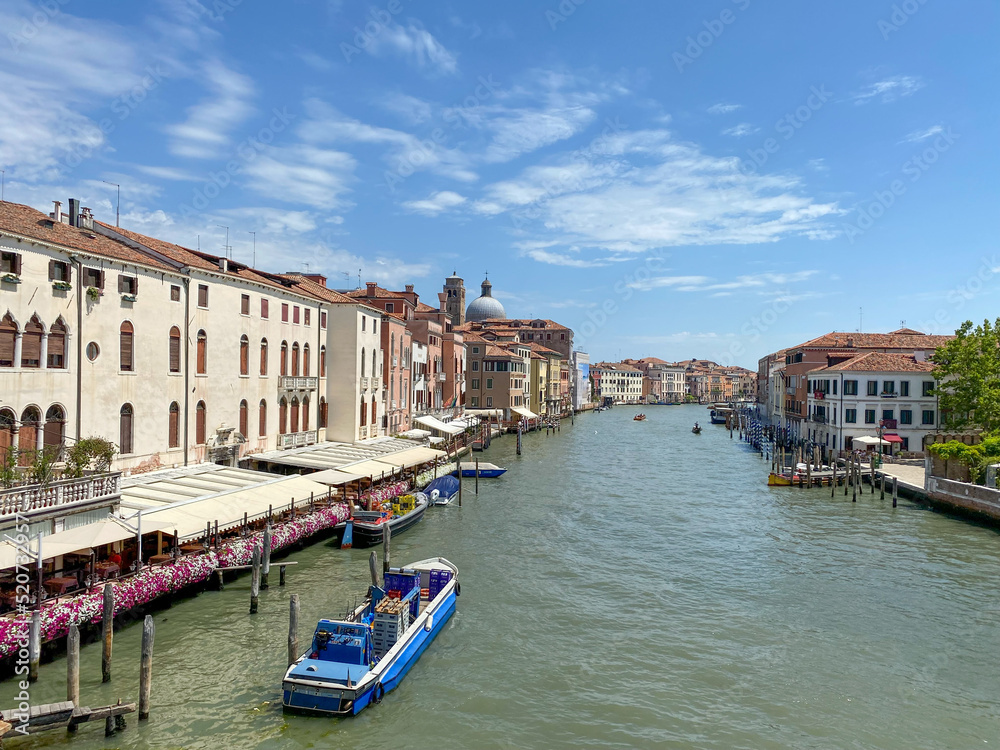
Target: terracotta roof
x,y
895,340
424,307
614,366
880,362
538,348
33,224
321,292
380,293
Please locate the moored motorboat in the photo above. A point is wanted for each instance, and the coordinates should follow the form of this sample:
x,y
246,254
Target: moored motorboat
x,y
778,480
369,524
352,663
442,490
486,471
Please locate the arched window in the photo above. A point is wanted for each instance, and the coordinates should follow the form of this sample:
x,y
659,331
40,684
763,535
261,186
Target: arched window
x,y
27,441
56,350
244,417
174,350
295,415
295,359
263,356
7,420
305,360
305,414
283,369
362,361
174,426
374,412
200,418
282,416
262,418
244,355
364,411
55,421
31,343
322,361
374,362
322,412
125,418
202,353
392,344
8,335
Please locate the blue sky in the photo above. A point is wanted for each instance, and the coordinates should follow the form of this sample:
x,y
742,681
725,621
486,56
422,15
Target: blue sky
x,y
713,179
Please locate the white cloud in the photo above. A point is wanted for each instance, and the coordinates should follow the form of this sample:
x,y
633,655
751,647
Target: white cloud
x,y
766,283
415,44
436,203
167,173
738,131
889,89
921,135
412,110
205,133
302,174
562,259
723,109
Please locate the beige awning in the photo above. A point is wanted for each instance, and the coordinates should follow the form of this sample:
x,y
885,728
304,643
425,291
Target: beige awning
x,y
527,413
372,469
9,553
485,412
412,457
437,424
336,477
868,441
108,531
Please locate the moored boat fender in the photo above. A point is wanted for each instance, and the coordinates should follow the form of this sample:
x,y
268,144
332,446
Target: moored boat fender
x,y
458,589
429,625
378,693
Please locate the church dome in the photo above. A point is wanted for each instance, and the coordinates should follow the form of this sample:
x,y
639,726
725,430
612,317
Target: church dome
x,y
485,307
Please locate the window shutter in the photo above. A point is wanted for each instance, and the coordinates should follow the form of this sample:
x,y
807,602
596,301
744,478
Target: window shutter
x,y
201,357
263,307
262,420
244,427
125,430
263,358
100,279
126,361
31,348
8,331
17,264
175,350
57,347
244,358
52,270
173,436
199,424
135,284
121,284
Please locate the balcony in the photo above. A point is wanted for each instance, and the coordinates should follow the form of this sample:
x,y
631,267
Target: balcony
x,y
888,395
297,383
362,433
819,418
296,439
61,493
365,382
442,376
376,383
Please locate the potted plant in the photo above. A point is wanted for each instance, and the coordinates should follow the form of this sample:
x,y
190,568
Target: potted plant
x,y
11,278
61,286
128,298
94,294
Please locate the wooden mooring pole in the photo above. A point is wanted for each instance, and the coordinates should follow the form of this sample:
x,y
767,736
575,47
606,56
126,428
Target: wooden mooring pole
x,y
857,478
108,631
881,493
386,543
34,645
458,465
255,581
477,475
73,668
146,667
895,490
833,482
266,561
293,627
373,567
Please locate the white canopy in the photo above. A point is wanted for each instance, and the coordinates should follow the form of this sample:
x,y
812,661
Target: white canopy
x,y
9,552
411,457
372,468
527,413
416,434
437,424
108,531
335,477
486,412
868,441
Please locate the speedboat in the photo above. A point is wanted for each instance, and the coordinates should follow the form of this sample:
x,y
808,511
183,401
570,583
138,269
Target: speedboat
x,y
369,524
352,663
441,491
486,471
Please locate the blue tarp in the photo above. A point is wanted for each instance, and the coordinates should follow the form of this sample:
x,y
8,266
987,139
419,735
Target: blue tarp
x,y
446,486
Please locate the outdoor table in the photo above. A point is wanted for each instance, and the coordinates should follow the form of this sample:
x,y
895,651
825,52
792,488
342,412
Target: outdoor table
x,y
156,559
192,547
60,584
107,569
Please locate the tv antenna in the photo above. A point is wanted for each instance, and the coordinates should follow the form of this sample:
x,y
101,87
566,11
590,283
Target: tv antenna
x,y
254,264
226,246
861,319
3,174
118,207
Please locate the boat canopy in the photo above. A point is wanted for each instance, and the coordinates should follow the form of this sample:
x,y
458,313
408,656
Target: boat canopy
x,y
436,424
447,485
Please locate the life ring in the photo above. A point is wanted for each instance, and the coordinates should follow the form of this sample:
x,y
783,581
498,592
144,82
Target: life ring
x,y
378,693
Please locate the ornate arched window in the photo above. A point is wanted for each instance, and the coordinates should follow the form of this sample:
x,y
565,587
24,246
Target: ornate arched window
x,y
244,355
295,359
56,349
31,343
125,424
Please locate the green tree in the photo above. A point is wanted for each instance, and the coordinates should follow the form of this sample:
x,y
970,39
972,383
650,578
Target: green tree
x,y
968,374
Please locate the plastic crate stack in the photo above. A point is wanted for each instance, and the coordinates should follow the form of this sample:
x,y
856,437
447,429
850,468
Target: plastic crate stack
x,y
439,579
404,583
392,618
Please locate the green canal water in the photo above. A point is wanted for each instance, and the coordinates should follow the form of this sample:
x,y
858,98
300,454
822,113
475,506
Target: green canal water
x,y
624,585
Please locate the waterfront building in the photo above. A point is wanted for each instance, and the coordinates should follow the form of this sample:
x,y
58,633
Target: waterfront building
x,y
619,382
662,381
173,354
418,377
454,300
546,389
498,375
874,394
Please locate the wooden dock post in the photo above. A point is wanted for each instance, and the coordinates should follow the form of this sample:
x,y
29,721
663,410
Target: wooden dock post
x,y
255,581
458,465
220,584
848,467
386,546
373,567
73,667
519,438
871,473
477,475
895,490
833,482
881,493
281,575
809,475
146,667
293,628
34,645
856,478
266,561
107,631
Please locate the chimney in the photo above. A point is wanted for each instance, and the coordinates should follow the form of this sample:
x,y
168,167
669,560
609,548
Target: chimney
x,y
315,277
224,265
57,211
850,342
442,302
371,288
86,218
74,212
409,288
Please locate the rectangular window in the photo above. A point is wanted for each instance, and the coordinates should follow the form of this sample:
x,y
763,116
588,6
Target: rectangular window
x,y
202,295
475,384
322,319
888,386
263,308
284,313
888,414
928,417
850,387
305,316
128,284
872,387
244,304
475,365
489,401
363,319
475,350
390,307
93,277
489,384
904,387
869,416
295,314
906,444
834,387
10,262
928,388
59,271
905,416
475,401
489,366
175,293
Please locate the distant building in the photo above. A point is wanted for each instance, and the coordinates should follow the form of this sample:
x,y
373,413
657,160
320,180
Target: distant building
x,y
617,381
485,307
454,292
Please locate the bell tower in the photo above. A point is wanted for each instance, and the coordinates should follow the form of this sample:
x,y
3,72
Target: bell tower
x,y
454,289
